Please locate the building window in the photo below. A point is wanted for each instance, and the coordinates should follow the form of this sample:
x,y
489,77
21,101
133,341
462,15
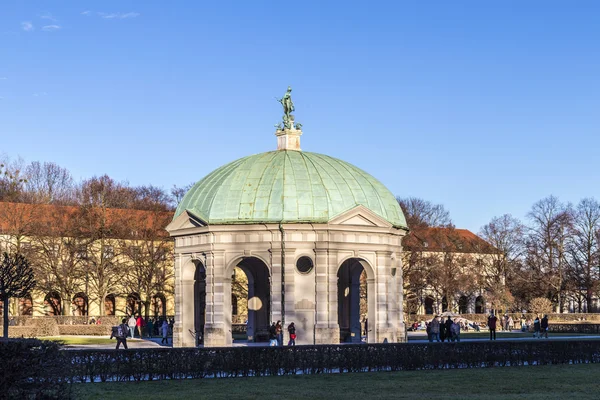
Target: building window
x,y
304,265
108,252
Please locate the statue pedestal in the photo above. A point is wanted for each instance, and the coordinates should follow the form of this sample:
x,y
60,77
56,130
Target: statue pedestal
x,y
288,139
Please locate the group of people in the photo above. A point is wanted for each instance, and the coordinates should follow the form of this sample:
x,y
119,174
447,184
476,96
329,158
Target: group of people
x,y
441,331
150,328
128,327
276,334
540,326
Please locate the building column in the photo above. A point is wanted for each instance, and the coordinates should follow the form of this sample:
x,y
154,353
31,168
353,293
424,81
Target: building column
x,y
217,328
177,327
327,329
383,329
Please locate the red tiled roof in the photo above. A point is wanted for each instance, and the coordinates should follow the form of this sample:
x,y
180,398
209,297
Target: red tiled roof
x,y
35,218
446,239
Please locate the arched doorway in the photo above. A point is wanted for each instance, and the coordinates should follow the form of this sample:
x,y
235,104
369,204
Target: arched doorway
x,y
134,304
159,305
479,305
354,311
52,304
26,306
234,308
444,304
429,302
257,294
109,304
463,305
199,302
80,304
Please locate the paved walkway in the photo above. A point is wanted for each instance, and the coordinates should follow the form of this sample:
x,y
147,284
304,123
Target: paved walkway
x,y
421,337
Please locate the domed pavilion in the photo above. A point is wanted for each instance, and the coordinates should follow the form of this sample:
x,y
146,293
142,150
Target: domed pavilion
x,y
303,227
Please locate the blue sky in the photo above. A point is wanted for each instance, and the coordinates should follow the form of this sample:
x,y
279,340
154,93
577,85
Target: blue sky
x,y
485,107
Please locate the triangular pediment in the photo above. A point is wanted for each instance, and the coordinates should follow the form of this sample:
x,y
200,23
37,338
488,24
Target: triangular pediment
x,y
360,216
185,220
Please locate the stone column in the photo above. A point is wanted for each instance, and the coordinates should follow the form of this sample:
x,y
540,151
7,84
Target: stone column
x,y
399,322
276,299
177,327
383,328
326,326
290,292
217,328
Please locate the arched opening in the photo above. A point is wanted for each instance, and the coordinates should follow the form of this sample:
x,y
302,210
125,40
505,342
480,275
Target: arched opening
x,y
134,304
109,304
199,302
353,307
429,302
52,304
444,304
251,285
463,305
234,307
26,306
159,305
80,304
479,305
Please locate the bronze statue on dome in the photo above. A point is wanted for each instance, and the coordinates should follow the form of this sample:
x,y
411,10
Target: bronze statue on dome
x,y
288,108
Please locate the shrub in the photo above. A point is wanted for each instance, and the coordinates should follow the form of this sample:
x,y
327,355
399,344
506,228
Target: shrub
x,y
182,363
540,305
89,330
32,369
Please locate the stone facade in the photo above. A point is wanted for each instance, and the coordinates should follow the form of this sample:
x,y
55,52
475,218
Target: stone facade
x,y
205,257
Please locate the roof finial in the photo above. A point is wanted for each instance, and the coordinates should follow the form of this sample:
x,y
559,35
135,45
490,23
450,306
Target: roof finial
x,y
288,134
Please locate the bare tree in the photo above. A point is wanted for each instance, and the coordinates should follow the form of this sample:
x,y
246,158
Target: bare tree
x,y
49,183
11,181
151,198
547,249
584,251
16,280
177,193
148,251
505,235
58,253
421,213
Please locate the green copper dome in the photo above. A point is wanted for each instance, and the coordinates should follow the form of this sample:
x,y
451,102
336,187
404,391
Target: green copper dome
x,y
287,186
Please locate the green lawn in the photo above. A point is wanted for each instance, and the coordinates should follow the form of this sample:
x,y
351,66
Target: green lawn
x,y
84,340
546,382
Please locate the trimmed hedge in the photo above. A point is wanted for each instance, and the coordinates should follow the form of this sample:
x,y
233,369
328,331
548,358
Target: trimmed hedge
x,y
32,369
89,330
37,369
182,363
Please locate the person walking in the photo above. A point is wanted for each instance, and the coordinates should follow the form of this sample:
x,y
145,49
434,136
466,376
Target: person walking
x,y
536,327
279,332
292,332
131,325
150,328
455,329
435,329
448,326
120,333
273,335
492,321
544,326
164,330
139,323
